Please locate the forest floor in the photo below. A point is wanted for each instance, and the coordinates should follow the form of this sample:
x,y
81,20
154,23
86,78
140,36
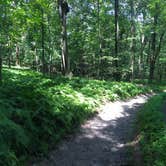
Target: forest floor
x,y
104,140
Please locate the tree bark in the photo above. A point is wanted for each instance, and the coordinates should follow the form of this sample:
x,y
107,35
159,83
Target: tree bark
x,y
43,44
17,55
0,64
63,10
153,48
99,38
9,56
141,57
132,46
117,75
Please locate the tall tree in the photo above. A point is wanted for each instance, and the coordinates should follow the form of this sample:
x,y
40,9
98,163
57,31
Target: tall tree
x,y
0,63
132,45
99,38
157,35
63,10
43,42
116,38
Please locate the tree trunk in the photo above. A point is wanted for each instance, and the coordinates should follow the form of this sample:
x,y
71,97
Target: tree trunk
x,y
99,39
63,10
37,63
141,57
0,64
50,50
42,44
117,75
153,47
132,46
151,72
9,55
9,62
17,55
65,59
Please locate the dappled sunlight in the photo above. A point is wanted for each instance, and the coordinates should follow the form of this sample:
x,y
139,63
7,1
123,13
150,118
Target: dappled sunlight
x,y
112,111
110,116
136,100
104,139
54,107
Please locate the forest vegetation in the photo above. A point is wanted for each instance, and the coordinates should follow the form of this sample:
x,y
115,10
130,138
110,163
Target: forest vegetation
x,y
121,40
151,123
60,59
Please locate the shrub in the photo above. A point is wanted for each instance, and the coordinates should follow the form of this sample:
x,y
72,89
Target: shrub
x,y
36,112
152,126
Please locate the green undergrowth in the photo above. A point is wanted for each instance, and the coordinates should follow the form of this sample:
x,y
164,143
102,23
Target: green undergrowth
x,y
156,86
36,112
152,126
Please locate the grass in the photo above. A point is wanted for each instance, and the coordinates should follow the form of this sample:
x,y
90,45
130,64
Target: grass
x,y
36,112
152,126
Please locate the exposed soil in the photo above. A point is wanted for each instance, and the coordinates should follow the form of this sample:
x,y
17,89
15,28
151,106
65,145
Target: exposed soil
x,y
104,140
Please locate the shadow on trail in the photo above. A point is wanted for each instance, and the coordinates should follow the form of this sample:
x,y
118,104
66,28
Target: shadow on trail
x,y
102,141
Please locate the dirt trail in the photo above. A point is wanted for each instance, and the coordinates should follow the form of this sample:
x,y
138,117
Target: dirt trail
x,y
102,141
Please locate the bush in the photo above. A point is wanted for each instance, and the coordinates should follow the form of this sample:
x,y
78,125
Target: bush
x,y
152,127
36,112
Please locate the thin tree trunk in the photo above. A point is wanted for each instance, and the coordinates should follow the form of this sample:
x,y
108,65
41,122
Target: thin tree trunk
x,y
141,57
43,44
9,56
132,46
0,64
116,38
99,39
17,55
36,60
7,50
50,48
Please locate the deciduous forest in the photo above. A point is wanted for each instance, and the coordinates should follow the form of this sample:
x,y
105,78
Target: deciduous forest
x,y
61,60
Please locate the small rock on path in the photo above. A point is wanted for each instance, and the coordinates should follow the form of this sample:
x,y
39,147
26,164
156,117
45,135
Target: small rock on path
x,y
102,141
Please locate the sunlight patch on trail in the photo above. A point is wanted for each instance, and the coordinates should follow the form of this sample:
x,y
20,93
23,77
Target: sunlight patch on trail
x,y
110,114
112,111
103,140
